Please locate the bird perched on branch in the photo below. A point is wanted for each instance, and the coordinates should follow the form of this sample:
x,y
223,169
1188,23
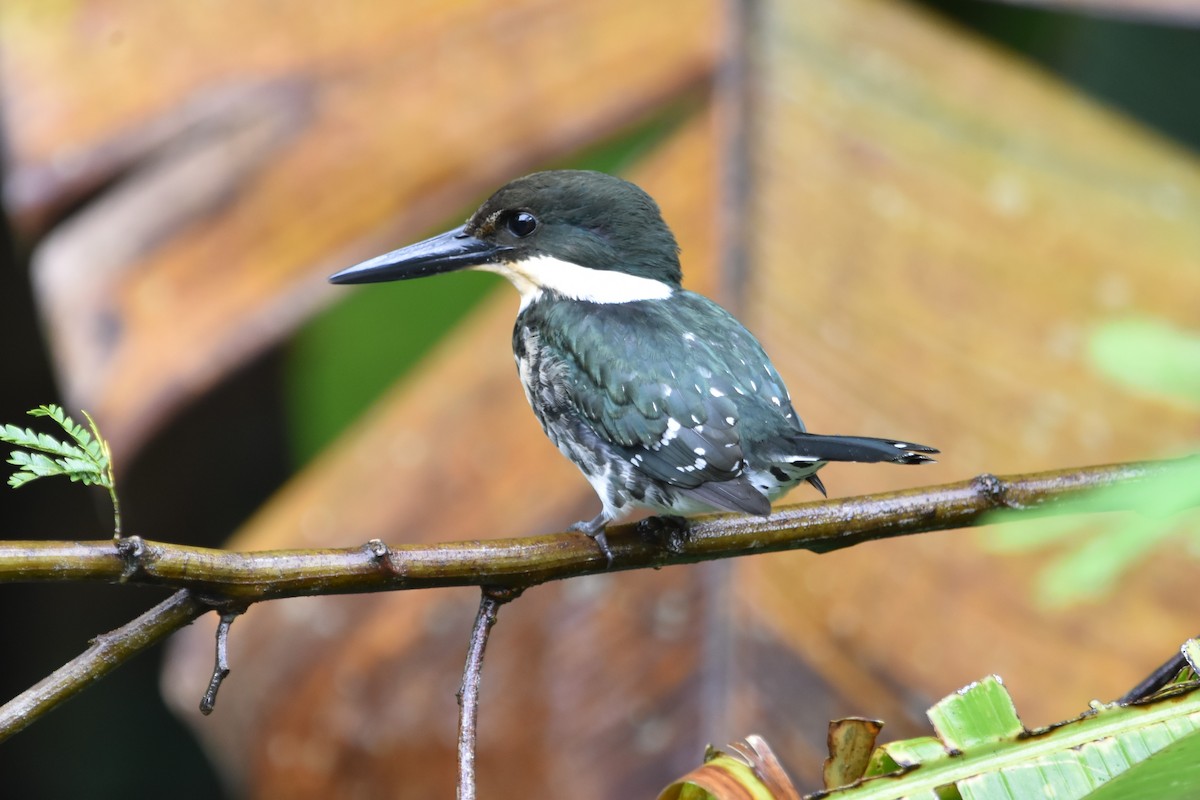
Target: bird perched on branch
x,y
660,397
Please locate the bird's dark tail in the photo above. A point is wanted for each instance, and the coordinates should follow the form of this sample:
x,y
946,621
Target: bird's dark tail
x,y
822,447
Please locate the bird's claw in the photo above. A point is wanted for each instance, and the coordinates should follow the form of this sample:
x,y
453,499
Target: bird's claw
x,y
602,542
594,530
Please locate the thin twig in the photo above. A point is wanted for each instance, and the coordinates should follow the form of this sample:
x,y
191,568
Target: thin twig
x,y
221,667
820,526
107,652
468,693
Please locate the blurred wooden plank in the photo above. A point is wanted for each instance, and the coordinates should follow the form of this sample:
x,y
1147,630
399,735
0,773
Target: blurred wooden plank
x,y
406,114
953,235
937,227
343,692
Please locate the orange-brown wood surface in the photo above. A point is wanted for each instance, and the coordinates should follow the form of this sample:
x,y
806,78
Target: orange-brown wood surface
x,y
269,147
607,665
934,246
935,229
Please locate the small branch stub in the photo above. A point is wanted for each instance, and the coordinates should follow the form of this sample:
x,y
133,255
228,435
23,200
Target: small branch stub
x,y
221,667
131,551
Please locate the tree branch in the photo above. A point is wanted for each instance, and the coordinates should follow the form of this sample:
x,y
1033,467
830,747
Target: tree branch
x,y
468,693
221,664
521,562
107,652
231,581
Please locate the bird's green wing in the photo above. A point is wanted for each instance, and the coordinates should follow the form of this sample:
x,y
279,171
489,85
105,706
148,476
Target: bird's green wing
x,y
671,386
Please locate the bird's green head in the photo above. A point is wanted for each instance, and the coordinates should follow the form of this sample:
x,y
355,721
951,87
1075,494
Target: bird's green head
x,y
584,235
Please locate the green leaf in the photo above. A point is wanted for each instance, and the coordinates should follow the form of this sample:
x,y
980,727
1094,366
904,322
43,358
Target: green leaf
x,y
36,463
977,714
80,434
78,469
19,479
1103,543
42,442
983,752
896,756
1150,356
1091,570
88,461
1173,774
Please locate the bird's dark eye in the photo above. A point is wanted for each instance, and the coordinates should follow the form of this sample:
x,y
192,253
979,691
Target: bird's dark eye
x,y
521,223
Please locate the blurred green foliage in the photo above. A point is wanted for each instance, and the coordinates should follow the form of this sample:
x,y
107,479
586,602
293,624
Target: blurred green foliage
x,y
1150,357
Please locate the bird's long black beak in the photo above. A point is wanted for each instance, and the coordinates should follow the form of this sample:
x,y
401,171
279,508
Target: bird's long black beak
x,y
445,252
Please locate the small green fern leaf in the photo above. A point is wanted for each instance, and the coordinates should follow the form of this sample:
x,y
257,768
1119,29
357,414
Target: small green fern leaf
x,y
87,461
94,448
41,442
19,479
38,464
78,469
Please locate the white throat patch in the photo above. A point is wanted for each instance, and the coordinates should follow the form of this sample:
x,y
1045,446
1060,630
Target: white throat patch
x,y
534,275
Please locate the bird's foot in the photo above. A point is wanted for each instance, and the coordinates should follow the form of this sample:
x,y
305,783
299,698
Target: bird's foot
x,y
668,532
594,529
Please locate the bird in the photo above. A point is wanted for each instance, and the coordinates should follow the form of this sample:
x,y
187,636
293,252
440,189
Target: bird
x,y
660,397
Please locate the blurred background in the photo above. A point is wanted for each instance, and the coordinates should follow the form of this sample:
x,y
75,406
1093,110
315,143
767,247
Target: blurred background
x,y
926,211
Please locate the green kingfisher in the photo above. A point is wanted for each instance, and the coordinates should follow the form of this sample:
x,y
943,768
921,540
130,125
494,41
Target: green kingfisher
x,y
660,396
